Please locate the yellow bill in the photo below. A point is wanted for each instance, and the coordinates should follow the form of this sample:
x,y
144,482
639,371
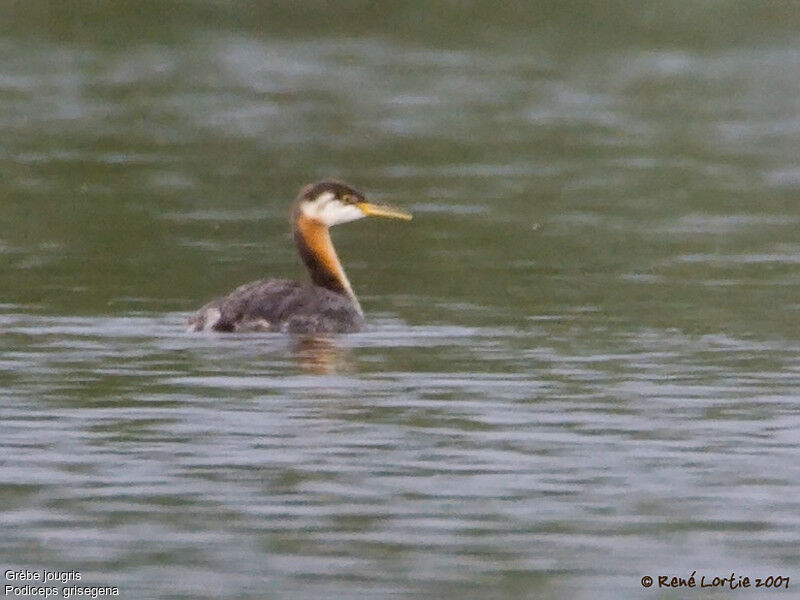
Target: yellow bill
x,y
376,210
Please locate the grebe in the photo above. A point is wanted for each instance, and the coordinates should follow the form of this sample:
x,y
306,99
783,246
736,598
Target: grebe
x,y
327,304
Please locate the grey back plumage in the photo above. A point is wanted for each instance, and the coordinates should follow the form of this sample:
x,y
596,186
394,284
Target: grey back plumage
x,y
280,305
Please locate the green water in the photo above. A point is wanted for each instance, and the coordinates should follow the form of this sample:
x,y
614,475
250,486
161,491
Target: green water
x,y
581,365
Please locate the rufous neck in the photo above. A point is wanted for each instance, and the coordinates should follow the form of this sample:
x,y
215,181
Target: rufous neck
x,y
316,249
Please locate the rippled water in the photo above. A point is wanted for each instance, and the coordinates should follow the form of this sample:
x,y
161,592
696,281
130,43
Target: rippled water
x,y
581,365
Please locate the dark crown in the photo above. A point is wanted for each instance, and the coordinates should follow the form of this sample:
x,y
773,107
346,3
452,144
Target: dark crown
x,y
341,191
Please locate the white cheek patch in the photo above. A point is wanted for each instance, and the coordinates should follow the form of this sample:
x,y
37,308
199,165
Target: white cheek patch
x,y
336,212
329,211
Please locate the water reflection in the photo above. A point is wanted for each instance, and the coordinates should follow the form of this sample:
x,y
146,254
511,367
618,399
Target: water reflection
x,y
321,355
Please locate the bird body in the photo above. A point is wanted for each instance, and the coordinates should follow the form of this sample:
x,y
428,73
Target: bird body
x,y
280,305
327,304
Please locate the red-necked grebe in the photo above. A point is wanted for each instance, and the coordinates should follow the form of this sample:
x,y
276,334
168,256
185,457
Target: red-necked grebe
x,y
327,304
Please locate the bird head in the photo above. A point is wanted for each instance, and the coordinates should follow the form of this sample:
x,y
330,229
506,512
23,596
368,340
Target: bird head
x,y
333,202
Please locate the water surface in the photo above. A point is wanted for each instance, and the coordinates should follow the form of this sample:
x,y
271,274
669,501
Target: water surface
x,y
581,365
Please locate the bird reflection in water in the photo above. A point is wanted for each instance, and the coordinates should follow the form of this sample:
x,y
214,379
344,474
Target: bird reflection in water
x,y
320,355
